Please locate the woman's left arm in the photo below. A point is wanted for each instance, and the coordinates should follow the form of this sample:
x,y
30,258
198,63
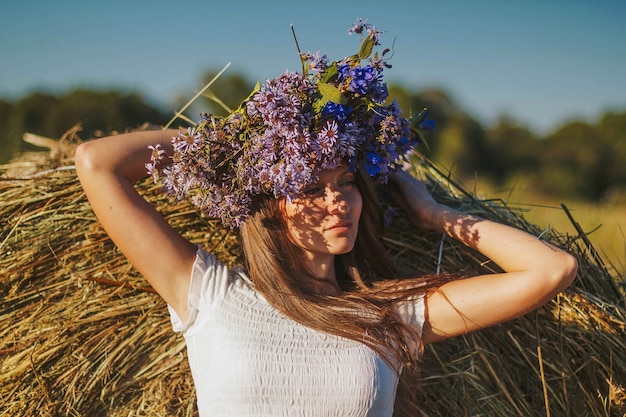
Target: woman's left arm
x,y
535,271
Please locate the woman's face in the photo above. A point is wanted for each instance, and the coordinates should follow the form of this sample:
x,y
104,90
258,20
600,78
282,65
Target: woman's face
x,y
324,220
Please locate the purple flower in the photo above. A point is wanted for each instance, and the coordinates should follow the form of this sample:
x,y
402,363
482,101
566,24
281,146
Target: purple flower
x,y
347,143
317,62
189,142
155,159
362,26
294,126
359,26
327,138
389,214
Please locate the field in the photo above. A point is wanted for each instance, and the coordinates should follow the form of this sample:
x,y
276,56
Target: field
x,y
604,224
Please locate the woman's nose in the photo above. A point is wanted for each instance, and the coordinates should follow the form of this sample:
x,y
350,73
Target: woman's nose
x,y
336,201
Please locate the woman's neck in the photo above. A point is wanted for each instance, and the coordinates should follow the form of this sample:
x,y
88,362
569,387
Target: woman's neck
x,y
325,278
326,286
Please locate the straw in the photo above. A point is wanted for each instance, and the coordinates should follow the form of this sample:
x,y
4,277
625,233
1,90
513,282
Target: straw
x,y
84,335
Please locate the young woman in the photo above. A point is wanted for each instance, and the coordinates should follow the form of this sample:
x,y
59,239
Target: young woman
x,y
316,322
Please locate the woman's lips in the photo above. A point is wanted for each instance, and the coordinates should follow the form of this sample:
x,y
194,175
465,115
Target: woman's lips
x,y
340,226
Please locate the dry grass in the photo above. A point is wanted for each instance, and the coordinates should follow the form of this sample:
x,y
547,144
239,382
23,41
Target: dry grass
x,y
83,334
604,223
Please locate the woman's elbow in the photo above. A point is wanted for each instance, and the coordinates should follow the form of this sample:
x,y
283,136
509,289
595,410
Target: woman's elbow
x,y
551,278
84,158
565,271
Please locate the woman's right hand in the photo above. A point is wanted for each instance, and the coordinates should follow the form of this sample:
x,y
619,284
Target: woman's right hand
x,y
107,169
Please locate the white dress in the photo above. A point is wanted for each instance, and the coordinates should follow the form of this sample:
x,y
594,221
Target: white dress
x,y
247,359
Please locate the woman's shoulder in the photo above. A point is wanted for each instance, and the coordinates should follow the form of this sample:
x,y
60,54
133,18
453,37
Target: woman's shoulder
x,y
211,281
412,310
211,274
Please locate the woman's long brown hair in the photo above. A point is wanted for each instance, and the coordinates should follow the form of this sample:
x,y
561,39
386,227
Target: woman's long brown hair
x,y
365,310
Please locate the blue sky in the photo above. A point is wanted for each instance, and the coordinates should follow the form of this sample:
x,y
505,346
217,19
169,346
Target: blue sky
x,y
542,62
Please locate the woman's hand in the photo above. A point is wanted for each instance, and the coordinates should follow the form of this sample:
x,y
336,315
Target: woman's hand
x,y
534,270
413,197
107,169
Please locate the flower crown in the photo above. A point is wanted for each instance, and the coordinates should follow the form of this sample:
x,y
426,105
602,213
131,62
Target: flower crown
x,y
288,130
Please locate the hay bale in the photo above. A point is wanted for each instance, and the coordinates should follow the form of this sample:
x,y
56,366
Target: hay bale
x,y
84,334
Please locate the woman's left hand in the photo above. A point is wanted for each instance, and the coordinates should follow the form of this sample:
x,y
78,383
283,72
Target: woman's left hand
x,y
534,270
413,197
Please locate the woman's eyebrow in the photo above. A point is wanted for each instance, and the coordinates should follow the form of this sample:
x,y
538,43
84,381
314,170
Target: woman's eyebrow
x,y
345,171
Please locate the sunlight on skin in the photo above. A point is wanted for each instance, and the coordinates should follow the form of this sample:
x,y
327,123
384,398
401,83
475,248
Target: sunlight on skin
x,y
324,220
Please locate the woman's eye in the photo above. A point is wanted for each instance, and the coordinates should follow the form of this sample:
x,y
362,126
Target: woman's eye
x,y
348,182
312,191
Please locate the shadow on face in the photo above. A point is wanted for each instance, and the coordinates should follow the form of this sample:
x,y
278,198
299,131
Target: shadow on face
x,y
324,219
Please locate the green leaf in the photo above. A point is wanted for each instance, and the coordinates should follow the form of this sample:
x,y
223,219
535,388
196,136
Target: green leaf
x,y
355,59
330,73
366,47
318,105
328,92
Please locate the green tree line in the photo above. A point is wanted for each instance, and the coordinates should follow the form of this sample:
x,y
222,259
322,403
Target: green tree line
x,y
582,160
579,159
52,115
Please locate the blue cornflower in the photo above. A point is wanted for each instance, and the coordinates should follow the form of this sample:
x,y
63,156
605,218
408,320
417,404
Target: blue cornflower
x,y
339,112
361,78
358,79
423,123
372,163
426,124
379,92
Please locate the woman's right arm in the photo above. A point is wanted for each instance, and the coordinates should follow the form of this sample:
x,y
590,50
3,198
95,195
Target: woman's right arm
x,y
107,169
